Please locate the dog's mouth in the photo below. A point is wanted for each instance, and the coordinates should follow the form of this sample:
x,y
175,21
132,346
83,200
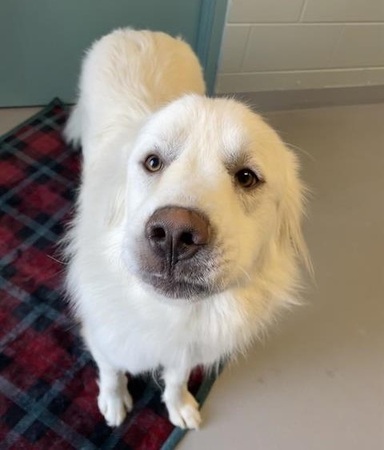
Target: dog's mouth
x,y
172,287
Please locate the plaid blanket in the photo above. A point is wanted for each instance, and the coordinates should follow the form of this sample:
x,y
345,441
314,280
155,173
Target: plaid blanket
x,y
48,384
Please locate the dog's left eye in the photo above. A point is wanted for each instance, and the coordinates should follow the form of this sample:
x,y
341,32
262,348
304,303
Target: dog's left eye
x,y
246,178
153,163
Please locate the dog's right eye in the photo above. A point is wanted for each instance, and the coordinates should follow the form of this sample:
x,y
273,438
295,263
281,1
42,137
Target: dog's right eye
x,y
153,163
246,178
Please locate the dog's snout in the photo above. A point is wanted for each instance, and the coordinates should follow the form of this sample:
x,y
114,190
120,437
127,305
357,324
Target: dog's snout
x,y
177,233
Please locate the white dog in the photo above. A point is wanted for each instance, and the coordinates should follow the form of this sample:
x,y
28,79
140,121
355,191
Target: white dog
x,y
187,232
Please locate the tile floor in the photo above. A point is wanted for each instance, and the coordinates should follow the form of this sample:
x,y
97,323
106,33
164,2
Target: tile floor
x,y
317,382
10,117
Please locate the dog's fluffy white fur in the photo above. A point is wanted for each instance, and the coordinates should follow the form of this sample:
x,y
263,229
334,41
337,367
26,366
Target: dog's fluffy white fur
x,y
142,94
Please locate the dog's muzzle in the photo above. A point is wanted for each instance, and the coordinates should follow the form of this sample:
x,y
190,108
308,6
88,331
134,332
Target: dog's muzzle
x,y
175,251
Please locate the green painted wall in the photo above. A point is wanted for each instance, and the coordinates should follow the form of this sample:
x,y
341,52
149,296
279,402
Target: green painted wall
x,y
42,41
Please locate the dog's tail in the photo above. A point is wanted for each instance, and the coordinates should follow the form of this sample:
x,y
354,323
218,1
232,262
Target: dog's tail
x,y
73,128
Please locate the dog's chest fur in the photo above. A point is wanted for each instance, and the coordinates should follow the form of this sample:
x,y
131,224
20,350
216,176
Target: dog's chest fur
x,y
139,334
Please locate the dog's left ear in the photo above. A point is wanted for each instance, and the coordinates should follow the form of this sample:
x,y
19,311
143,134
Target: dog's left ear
x,y
115,212
291,214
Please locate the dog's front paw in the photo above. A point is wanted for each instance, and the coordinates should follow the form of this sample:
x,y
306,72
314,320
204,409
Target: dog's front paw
x,y
184,412
114,406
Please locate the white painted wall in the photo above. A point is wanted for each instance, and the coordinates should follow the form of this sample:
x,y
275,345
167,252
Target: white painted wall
x,y
302,44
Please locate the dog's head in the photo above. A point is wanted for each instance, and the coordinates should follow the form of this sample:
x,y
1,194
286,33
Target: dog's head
x,y
212,193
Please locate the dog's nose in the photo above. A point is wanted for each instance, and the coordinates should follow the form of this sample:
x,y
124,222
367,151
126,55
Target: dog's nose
x,y
177,233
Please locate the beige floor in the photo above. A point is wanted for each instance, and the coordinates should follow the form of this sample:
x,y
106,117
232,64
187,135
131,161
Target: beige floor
x,y
10,117
317,382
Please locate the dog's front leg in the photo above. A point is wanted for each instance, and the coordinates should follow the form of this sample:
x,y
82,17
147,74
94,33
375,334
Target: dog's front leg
x,y
114,400
183,409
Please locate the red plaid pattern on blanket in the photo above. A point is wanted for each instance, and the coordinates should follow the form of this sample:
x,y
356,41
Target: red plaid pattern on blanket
x,y
48,384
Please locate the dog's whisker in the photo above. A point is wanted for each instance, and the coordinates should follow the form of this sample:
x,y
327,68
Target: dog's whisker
x,y
300,150
245,273
63,263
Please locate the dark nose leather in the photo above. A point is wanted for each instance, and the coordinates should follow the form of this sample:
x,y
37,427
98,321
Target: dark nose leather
x,y
176,233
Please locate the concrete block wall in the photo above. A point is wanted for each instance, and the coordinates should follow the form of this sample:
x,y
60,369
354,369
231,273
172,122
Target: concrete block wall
x,y
302,44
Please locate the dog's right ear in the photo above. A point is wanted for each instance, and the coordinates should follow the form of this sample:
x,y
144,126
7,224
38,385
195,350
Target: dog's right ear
x,y
291,213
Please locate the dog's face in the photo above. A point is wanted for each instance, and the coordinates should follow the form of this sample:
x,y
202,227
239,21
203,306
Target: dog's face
x,y
211,190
